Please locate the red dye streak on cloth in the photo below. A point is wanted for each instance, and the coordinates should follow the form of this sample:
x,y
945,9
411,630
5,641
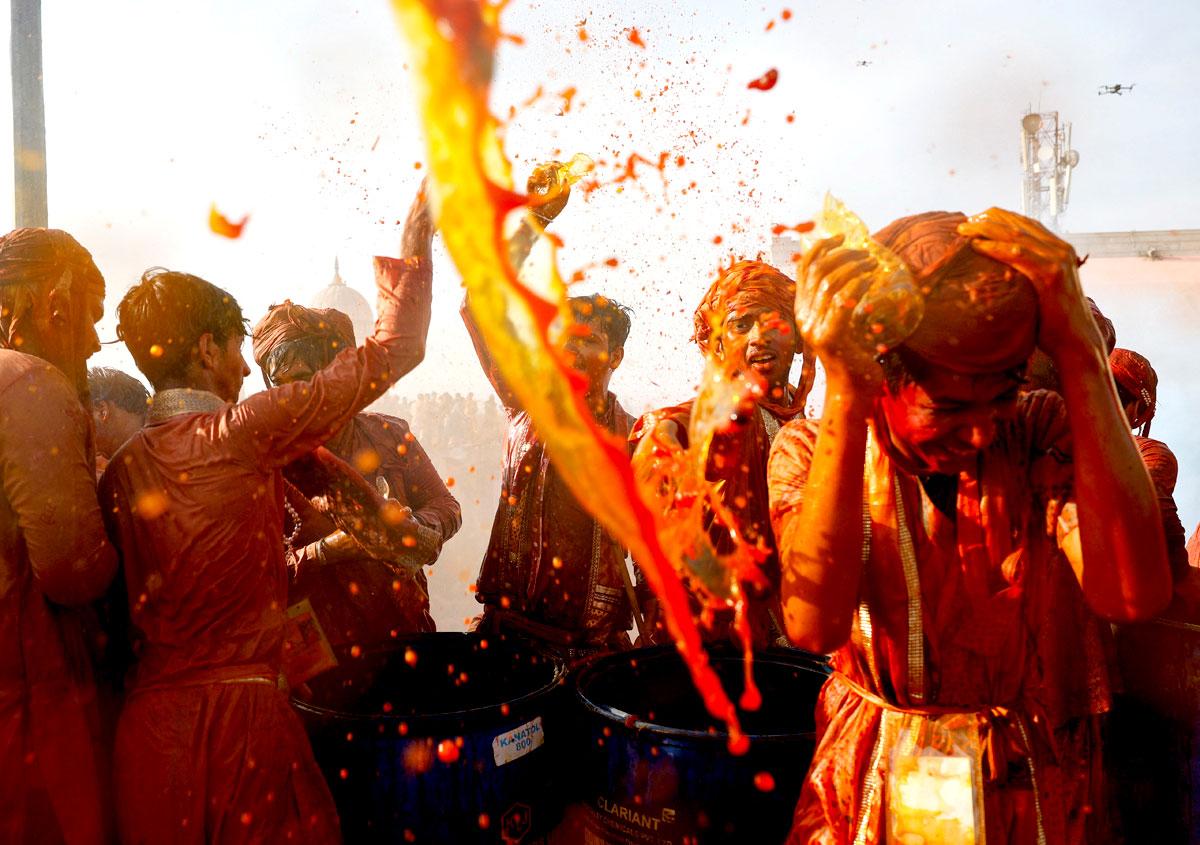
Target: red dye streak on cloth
x,y
221,225
765,82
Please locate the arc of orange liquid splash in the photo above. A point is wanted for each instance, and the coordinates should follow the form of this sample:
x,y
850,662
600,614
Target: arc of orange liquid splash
x,y
223,226
454,41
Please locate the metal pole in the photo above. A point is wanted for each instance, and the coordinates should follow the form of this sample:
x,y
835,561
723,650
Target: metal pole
x,y
29,115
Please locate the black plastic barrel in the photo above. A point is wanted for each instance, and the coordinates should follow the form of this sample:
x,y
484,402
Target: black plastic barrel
x,y
439,738
657,769
1152,741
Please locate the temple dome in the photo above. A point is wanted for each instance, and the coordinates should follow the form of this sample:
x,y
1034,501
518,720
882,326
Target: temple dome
x,y
337,294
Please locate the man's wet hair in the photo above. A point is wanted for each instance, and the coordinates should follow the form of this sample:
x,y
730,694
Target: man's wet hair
x,y
610,315
162,317
120,388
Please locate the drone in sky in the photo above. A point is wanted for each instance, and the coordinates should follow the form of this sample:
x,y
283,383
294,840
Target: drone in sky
x,y
1119,89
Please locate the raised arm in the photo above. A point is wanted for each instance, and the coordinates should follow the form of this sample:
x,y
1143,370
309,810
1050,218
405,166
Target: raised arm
x,y
820,533
293,419
552,191
51,487
1124,571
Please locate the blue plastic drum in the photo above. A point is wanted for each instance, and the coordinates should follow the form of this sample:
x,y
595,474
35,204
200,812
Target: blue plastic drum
x,y
656,768
439,738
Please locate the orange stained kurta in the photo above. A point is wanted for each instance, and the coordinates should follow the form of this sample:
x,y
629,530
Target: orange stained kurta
x,y
53,767
208,748
1006,633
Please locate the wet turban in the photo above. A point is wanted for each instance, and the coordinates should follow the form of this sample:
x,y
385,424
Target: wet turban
x,y
980,315
746,282
41,256
1108,334
1133,373
288,322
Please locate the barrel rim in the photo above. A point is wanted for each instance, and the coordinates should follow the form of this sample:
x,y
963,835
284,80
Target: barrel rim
x,y
620,716
557,679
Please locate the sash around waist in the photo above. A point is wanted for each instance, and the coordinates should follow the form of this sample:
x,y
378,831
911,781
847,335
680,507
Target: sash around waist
x,y
254,673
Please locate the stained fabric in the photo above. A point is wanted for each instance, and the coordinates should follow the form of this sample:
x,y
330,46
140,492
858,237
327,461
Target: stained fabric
x,y
208,749
363,602
1006,632
1132,372
547,562
980,315
54,768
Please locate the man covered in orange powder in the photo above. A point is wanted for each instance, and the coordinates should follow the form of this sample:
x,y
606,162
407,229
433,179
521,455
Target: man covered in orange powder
x,y
358,600
1137,390
747,313
917,532
53,551
552,574
208,748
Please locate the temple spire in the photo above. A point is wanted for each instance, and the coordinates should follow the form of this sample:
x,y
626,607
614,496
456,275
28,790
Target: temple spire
x,y
337,273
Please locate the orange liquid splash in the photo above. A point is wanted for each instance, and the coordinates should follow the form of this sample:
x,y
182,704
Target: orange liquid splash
x,y
635,38
454,43
765,82
221,225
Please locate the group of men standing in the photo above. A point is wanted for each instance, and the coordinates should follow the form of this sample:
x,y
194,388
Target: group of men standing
x,y
953,539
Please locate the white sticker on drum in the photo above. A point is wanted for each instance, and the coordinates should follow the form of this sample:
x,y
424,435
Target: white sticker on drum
x,y
518,742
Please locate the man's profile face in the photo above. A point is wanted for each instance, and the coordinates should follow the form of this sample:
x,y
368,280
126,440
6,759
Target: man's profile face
x,y
66,321
231,369
940,420
762,339
588,353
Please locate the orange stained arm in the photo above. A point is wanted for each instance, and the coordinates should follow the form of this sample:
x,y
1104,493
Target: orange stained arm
x,y
1122,556
821,540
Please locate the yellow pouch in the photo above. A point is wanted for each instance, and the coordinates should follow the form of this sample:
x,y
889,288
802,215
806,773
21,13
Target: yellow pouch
x,y
934,789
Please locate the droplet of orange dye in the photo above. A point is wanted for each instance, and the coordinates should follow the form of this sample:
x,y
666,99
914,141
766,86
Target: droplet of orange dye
x,y
680,161
484,821
156,351
450,481
583,36
393,513
739,744
786,14
611,262
221,225
366,460
344,774
151,505
408,541
556,562
483,644
247,818
447,751
764,782
355,651
636,39
410,657
504,709
791,118
765,82
354,588
717,239
396,585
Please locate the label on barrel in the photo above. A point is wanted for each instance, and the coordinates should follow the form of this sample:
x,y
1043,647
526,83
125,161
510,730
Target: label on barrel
x,y
518,742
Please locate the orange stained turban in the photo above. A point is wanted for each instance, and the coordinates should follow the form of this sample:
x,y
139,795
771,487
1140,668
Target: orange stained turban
x,y
288,322
981,316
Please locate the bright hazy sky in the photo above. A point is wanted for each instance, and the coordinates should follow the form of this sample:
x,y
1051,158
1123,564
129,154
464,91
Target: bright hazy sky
x,y
299,113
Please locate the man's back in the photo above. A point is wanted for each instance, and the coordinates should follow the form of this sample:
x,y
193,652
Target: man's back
x,y
203,558
52,546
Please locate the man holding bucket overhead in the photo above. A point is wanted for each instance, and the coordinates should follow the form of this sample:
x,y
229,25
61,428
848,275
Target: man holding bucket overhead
x,y
917,525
